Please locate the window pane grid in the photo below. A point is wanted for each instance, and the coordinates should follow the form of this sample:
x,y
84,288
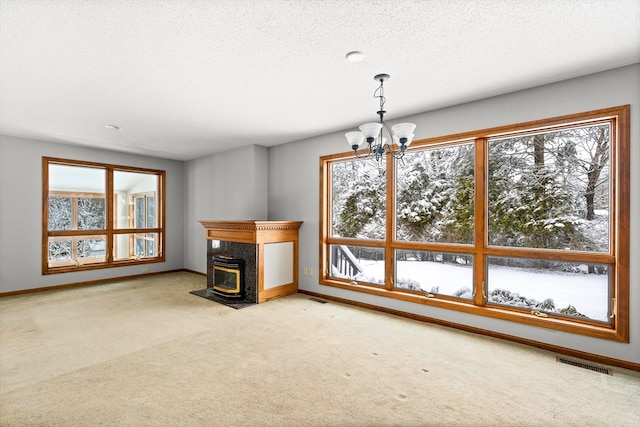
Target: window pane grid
x,y
358,199
436,273
551,190
435,195
358,263
78,207
541,203
564,288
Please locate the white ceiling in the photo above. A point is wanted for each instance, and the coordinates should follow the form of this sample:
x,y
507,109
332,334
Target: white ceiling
x,y
184,79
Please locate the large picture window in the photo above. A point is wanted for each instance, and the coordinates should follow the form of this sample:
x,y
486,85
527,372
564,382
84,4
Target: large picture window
x,y
527,223
98,215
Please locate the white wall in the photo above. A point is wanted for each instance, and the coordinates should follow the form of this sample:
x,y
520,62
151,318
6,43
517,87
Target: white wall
x,y
21,212
208,184
294,190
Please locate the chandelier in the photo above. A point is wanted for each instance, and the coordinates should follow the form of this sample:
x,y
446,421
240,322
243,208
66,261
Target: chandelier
x,y
399,136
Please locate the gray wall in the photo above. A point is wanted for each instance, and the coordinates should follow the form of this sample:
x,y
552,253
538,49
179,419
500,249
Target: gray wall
x,y
282,183
207,186
21,212
294,189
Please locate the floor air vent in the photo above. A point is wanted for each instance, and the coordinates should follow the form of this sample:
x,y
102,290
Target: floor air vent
x,y
584,365
321,301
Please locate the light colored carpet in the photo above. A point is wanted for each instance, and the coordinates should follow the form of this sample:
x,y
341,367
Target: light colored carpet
x,y
145,352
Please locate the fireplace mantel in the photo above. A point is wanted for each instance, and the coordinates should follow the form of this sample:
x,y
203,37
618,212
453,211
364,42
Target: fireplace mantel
x,y
274,254
252,231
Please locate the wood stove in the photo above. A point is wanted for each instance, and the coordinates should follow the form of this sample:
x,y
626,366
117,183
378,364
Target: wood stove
x,y
228,276
269,251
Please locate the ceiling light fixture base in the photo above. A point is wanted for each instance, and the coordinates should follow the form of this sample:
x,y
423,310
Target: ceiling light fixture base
x,y
381,77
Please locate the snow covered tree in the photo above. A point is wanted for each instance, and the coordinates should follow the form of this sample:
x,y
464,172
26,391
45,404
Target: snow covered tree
x,y
91,213
435,195
359,199
459,212
535,187
60,213
419,202
75,213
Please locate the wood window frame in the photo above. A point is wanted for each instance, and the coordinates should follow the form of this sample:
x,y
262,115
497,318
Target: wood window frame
x,y
110,231
618,257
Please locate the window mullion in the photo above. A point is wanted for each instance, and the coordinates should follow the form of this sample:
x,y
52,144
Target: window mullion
x,y
74,226
480,220
390,232
109,196
74,212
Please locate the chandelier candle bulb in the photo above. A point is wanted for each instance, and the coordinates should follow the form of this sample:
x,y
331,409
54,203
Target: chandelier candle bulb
x,y
354,139
371,131
404,132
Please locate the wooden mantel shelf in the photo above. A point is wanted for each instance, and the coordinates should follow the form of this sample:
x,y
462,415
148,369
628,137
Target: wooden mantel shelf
x,y
252,231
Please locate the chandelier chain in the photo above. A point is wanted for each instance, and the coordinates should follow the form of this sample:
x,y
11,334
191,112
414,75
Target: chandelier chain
x,y
379,93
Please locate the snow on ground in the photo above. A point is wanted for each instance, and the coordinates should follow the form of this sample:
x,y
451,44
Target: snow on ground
x,y
588,293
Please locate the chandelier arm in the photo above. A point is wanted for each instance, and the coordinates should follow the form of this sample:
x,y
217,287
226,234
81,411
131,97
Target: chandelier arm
x,y
388,129
363,156
397,153
371,148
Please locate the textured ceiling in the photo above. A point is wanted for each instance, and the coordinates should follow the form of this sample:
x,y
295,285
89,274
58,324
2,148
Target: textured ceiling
x,y
185,79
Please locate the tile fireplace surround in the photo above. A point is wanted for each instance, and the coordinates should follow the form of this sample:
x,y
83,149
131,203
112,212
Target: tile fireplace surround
x,y
270,253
